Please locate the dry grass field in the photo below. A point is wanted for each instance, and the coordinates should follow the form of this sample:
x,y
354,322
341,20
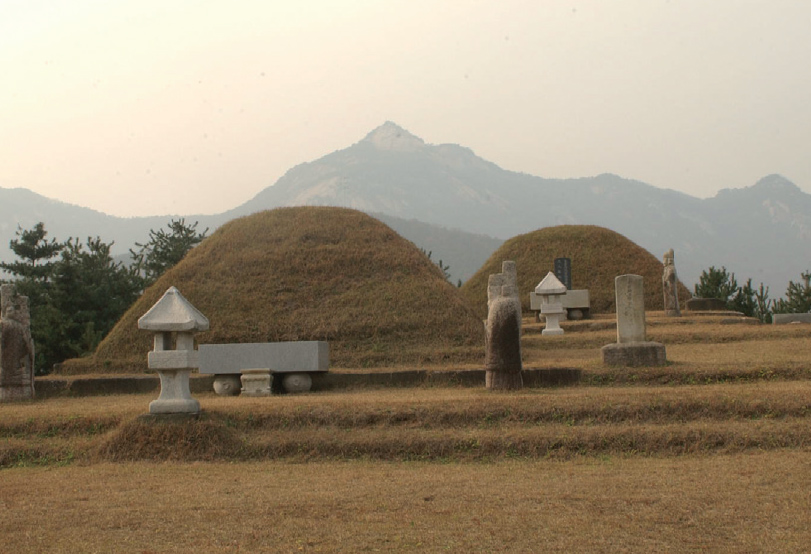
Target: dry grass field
x,y
709,453
750,502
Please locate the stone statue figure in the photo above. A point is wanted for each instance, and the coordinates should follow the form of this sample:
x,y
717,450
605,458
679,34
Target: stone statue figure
x,y
502,358
670,286
16,347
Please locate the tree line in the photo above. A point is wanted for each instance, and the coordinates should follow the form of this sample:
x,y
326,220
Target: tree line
x,y
720,284
77,291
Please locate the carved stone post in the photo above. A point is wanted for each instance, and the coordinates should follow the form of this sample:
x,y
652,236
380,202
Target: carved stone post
x,y
16,347
670,286
503,331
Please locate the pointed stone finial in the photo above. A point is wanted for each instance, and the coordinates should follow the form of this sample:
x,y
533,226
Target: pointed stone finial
x,y
550,285
173,313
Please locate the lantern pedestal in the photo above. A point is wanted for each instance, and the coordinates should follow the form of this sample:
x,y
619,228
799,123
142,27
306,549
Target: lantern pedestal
x,y
175,396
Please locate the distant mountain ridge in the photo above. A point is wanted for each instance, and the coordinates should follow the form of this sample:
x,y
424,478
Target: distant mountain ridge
x,y
760,231
22,208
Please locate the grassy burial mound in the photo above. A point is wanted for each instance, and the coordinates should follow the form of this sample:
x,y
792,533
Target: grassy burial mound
x,y
598,256
311,273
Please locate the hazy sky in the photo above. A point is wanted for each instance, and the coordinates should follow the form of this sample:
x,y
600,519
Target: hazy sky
x,y
153,107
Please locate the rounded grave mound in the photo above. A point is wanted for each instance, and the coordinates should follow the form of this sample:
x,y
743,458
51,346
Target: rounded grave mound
x,y
309,273
597,254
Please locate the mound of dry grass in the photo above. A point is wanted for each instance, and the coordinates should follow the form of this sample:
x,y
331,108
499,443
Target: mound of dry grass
x,y
163,439
598,255
311,273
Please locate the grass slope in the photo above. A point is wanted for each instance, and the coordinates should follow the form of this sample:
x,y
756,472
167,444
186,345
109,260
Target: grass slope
x,y
311,273
598,255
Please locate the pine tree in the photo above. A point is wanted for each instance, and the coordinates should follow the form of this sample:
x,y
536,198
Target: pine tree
x,y
716,283
165,249
76,292
798,297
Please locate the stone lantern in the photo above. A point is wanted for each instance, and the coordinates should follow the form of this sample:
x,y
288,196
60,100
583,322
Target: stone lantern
x,y
551,291
173,317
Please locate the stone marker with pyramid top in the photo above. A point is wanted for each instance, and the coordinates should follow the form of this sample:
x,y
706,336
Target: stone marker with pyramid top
x,y
551,291
173,314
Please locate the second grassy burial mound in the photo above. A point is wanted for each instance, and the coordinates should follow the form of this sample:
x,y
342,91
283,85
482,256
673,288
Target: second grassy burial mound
x,y
598,255
311,273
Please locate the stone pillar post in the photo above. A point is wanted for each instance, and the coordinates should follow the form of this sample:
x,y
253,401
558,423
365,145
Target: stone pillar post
x,y
632,347
16,347
670,285
503,331
630,300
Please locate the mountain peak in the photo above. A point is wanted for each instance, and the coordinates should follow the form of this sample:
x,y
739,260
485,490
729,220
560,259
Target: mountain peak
x,y
392,137
775,182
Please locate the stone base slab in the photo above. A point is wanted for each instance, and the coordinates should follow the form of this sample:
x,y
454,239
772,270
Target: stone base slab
x,y
578,299
281,357
634,354
784,319
174,406
168,418
50,387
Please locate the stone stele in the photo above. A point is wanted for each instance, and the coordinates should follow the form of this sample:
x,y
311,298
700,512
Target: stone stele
x,y
632,348
630,301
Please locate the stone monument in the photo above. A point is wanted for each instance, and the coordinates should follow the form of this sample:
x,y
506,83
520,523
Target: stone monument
x,y
551,291
173,315
632,347
563,271
503,331
670,286
16,347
